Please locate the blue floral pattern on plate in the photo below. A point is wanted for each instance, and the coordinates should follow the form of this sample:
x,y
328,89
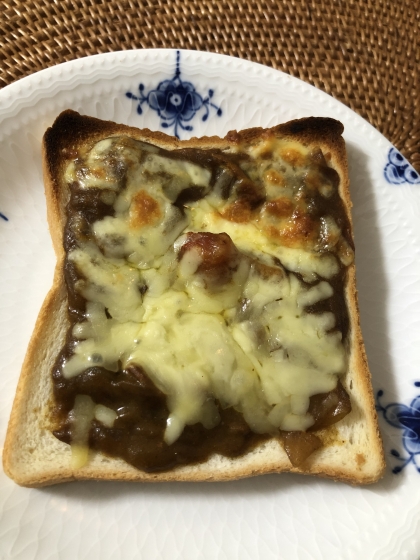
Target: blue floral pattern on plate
x,y
175,101
398,171
406,418
5,218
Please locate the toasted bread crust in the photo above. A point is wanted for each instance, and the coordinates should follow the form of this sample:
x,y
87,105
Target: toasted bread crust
x,y
34,457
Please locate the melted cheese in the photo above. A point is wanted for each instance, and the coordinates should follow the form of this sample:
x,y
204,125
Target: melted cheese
x,y
197,348
249,343
251,240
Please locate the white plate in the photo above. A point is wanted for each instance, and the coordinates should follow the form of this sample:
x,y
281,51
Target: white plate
x,y
271,517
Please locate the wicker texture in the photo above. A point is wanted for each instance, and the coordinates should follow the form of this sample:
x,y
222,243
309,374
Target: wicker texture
x,y
366,53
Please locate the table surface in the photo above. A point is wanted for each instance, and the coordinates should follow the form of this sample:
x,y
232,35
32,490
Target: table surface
x,y
363,52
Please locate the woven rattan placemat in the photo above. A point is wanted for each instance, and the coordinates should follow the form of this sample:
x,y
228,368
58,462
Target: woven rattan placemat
x,y
366,53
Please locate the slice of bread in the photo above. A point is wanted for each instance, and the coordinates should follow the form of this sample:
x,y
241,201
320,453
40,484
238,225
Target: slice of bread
x,y
352,450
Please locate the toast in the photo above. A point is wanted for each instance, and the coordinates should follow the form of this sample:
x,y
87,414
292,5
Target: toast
x,y
215,221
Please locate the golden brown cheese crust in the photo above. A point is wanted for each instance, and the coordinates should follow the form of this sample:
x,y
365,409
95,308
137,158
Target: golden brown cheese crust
x,y
70,131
